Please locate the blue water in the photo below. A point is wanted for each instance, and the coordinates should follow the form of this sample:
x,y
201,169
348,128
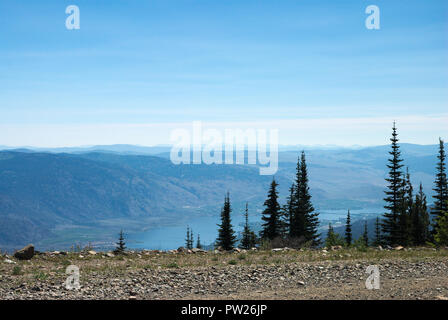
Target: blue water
x,y
172,237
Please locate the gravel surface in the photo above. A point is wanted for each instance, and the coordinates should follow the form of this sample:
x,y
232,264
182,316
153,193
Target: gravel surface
x,y
399,279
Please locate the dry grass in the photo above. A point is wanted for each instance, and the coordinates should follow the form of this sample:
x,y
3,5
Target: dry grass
x,y
47,266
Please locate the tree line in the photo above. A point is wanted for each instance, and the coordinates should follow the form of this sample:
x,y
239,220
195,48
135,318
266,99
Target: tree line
x,y
407,219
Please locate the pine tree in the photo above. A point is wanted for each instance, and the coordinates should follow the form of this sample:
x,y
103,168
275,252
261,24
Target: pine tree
x,y
377,241
296,218
305,209
247,240
198,242
348,230
191,239
394,196
226,235
333,239
287,214
441,188
441,231
407,206
188,242
365,235
271,214
121,246
420,219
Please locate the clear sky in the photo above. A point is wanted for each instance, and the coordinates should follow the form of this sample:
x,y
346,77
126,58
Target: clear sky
x,y
137,69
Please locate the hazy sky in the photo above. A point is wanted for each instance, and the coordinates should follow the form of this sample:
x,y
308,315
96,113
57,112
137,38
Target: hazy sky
x,y
135,70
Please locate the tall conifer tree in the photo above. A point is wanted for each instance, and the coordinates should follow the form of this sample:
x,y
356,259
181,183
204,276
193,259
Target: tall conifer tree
x,y
394,195
305,209
226,235
271,214
377,241
248,240
348,230
440,188
420,219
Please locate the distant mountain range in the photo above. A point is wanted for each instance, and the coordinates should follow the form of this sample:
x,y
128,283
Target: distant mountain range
x,y
69,195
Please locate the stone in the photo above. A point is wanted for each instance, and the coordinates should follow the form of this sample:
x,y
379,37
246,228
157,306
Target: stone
x,y
182,249
91,252
110,255
25,253
398,248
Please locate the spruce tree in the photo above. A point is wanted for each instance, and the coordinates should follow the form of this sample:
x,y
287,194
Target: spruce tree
x,y
407,206
226,235
394,194
440,188
271,214
121,246
188,243
420,219
377,241
191,239
287,213
365,235
333,239
198,242
247,240
441,231
305,209
348,230
296,218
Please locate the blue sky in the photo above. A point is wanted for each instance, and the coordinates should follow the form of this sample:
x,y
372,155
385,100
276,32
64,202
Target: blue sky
x,y
232,62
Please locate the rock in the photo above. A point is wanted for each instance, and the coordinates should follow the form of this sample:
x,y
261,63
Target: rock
x,y
301,283
277,250
9,261
110,255
254,249
324,251
132,298
236,250
182,250
398,248
334,248
25,253
197,250
91,252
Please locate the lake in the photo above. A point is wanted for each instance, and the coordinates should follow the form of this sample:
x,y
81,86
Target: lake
x,y
172,237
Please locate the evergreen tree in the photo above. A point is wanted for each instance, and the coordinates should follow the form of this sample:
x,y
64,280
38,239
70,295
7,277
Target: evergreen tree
x,y
420,219
305,209
441,188
365,235
394,194
407,206
333,239
247,240
271,214
297,218
288,213
191,239
188,239
348,230
441,231
121,246
377,241
198,242
226,235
